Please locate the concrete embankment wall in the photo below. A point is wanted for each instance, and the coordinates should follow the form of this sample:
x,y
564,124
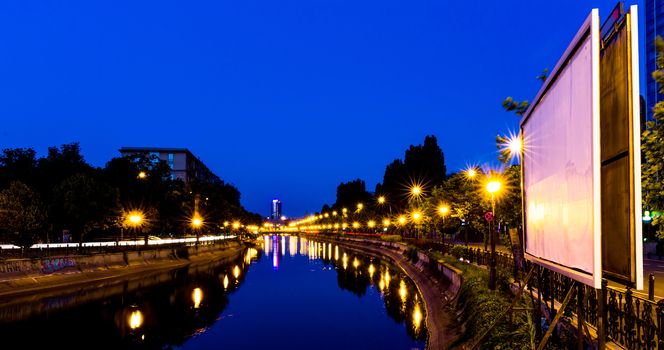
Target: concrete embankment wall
x,y
452,274
12,267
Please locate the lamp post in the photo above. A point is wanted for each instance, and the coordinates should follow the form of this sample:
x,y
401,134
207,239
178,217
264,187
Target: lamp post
x,y
196,223
443,210
417,216
135,220
492,187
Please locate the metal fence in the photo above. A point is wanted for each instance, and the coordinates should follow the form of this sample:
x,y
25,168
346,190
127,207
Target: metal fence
x,y
614,314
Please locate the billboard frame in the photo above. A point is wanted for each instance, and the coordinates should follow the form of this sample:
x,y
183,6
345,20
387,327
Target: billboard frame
x,y
592,28
636,144
589,29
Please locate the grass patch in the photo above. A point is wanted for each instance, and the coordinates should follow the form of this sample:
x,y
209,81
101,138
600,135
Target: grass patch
x,y
391,238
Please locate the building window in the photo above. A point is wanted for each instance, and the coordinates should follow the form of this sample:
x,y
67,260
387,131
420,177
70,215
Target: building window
x,y
155,157
170,160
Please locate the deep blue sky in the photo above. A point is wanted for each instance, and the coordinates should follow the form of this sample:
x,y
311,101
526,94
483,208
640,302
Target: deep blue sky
x,y
281,98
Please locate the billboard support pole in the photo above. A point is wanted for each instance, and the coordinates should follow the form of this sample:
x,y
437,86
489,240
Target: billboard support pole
x,y
492,236
500,317
601,315
559,314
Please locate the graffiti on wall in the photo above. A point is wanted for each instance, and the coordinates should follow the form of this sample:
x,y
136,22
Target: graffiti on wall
x,y
56,264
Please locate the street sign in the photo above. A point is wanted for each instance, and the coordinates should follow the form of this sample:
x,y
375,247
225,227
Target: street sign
x,y
488,216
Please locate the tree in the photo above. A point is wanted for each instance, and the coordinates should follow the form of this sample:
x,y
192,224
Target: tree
x,y
83,204
423,165
508,207
652,146
351,193
22,214
519,108
467,204
59,164
17,164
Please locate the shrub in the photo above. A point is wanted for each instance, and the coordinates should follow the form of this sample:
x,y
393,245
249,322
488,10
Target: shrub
x,y
391,238
457,251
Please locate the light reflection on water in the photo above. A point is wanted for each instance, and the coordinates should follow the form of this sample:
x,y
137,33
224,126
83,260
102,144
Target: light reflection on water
x,y
223,303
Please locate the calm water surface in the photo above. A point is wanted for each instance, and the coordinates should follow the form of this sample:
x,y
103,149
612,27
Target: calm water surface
x,y
293,293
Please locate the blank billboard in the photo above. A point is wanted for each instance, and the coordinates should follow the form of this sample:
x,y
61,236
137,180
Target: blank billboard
x,y
581,161
561,163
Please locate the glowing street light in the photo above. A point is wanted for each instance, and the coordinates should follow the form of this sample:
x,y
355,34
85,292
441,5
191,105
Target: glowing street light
x,y
512,146
492,186
416,191
417,216
356,224
381,200
443,210
471,173
135,219
386,222
360,206
515,146
402,220
142,175
196,221
371,224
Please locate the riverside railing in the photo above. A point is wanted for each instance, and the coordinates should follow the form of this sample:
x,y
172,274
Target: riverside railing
x,y
88,248
626,319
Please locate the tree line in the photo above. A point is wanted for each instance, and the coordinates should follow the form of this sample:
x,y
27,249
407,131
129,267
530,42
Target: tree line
x,y
42,198
453,203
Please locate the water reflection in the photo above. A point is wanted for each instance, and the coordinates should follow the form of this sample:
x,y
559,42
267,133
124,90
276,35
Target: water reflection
x,y
197,297
157,310
401,300
172,308
135,319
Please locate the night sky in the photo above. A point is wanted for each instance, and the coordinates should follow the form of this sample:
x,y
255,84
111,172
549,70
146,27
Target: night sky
x,y
280,98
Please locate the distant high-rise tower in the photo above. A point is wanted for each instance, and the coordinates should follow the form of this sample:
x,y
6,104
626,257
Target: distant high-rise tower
x,y
654,11
276,209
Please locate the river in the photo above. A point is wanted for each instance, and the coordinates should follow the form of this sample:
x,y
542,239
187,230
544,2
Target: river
x,y
291,293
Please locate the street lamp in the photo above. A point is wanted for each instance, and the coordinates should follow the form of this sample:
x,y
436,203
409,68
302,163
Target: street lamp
x,y
381,200
443,210
142,175
471,173
134,219
416,191
493,186
417,216
196,223
402,220
360,206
